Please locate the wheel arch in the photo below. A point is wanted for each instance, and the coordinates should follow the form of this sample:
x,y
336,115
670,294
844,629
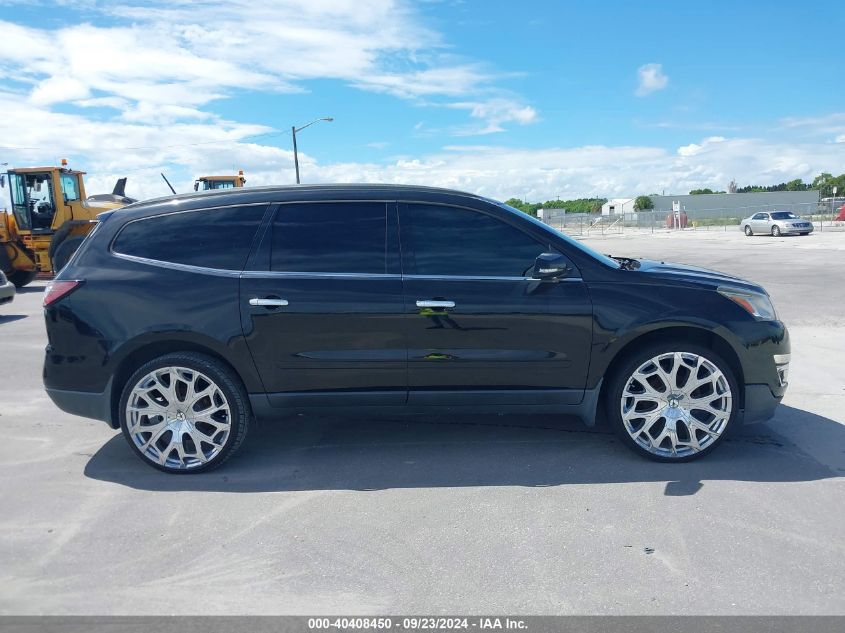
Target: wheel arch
x,y
150,351
680,334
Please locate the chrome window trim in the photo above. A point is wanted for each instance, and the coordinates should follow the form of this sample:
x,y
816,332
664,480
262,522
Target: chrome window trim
x,y
263,274
188,268
481,278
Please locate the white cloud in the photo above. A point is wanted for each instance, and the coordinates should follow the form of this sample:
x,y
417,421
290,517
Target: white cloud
x,y
494,113
186,54
651,79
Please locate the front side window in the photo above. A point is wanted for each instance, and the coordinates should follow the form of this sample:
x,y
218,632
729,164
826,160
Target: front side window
x,y
330,237
450,241
70,187
211,238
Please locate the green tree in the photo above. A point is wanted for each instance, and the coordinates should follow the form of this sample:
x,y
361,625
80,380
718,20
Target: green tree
x,y
698,192
825,183
642,203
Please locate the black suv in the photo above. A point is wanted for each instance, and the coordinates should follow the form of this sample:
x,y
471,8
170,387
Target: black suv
x,y
182,319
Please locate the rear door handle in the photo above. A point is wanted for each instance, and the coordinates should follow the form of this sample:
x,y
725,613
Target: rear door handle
x,y
430,303
268,303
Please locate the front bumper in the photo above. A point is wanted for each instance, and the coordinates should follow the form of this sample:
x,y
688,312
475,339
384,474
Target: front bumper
x,y
791,230
760,403
7,292
87,404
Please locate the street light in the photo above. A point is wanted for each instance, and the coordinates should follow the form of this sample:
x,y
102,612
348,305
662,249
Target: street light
x,y
294,130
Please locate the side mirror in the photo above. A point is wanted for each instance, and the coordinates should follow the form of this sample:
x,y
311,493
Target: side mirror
x,y
196,185
551,266
3,181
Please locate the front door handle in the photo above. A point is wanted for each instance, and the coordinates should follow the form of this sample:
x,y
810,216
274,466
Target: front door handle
x,y
268,302
430,303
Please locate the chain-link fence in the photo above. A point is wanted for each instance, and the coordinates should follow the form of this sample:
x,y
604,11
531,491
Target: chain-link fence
x,y
823,215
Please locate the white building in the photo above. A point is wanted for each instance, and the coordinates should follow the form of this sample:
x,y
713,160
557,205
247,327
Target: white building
x,y
618,205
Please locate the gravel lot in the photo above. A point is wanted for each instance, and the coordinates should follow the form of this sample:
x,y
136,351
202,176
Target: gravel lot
x,y
490,514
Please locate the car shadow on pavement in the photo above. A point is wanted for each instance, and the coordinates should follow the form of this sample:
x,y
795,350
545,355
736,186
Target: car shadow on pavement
x,y
9,318
332,453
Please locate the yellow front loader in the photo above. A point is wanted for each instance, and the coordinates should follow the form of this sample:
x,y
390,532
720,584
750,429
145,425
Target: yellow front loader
x,y
204,183
50,217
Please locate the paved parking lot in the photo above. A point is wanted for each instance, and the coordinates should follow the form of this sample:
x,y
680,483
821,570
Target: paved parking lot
x,y
475,515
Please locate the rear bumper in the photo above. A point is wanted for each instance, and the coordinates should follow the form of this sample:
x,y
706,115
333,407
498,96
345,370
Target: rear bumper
x,y
7,292
86,404
760,403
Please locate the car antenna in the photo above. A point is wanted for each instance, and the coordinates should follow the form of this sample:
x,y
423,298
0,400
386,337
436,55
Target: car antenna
x,y
168,184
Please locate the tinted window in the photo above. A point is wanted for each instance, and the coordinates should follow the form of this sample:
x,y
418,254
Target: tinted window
x,y
453,241
330,237
215,238
783,215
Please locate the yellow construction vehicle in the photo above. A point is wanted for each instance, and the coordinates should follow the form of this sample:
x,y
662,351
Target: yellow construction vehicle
x,y
50,218
204,183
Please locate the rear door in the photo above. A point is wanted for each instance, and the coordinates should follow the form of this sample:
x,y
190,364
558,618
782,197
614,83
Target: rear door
x,y
479,329
322,305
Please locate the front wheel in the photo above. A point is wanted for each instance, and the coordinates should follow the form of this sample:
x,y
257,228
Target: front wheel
x,y
748,231
775,231
184,413
21,278
672,402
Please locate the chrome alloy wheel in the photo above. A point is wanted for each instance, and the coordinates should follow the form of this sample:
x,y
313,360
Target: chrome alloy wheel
x,y
178,418
676,404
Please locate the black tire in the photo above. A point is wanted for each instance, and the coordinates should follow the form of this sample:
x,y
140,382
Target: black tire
x,y
807,233
21,278
65,251
625,370
775,231
748,231
224,379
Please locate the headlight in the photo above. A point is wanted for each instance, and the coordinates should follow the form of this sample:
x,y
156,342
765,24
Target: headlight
x,y
757,305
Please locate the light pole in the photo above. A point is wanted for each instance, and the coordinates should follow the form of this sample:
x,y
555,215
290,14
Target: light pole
x,y
293,131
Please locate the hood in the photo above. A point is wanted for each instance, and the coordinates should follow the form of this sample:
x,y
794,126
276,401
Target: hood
x,y
681,274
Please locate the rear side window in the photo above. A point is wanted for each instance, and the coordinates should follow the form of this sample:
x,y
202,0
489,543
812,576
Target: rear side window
x,y
330,237
213,238
450,241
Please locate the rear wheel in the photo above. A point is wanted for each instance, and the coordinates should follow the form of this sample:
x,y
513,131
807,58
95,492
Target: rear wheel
x,y
65,252
672,402
805,233
21,278
184,413
748,231
775,231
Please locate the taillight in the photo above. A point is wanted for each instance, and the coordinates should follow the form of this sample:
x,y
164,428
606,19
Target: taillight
x,y
55,290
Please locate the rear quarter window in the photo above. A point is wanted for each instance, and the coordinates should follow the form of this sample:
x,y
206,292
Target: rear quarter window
x,y
210,238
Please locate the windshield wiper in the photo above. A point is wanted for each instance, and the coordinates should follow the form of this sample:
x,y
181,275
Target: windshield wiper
x,y
626,263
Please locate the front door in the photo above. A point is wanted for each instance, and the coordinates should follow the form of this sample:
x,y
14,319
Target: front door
x,y
479,329
322,307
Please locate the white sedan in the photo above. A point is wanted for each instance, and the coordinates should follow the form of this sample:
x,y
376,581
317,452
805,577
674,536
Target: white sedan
x,y
776,223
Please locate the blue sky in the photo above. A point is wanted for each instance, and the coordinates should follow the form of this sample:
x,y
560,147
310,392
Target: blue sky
x,y
535,99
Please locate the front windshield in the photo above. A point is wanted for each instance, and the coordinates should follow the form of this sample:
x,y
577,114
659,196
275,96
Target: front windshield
x,y
604,259
217,184
784,215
